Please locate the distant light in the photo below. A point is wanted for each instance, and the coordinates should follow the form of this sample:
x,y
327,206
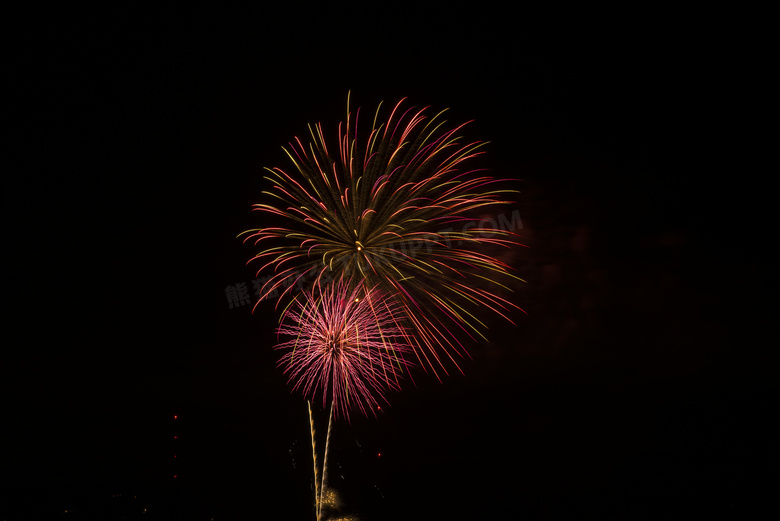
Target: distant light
x,y
175,416
378,454
175,437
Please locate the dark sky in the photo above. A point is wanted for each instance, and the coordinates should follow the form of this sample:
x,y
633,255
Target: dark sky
x,y
635,388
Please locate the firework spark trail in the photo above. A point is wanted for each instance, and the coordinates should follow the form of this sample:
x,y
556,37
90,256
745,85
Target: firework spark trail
x,y
374,214
314,458
346,344
324,483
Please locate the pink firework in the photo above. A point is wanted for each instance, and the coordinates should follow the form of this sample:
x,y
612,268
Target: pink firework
x,y
345,344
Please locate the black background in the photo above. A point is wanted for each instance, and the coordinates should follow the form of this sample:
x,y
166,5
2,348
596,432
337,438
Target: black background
x,y
635,388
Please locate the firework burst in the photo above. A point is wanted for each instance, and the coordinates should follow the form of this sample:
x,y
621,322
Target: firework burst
x,y
388,208
345,344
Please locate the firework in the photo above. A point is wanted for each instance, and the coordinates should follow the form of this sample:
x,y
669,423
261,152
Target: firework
x,y
346,345
387,208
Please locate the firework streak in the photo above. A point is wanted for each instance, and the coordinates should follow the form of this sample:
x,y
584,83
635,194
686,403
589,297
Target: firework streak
x,y
371,208
345,344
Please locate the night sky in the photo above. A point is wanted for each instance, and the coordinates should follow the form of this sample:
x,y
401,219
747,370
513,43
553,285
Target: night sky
x,y
636,387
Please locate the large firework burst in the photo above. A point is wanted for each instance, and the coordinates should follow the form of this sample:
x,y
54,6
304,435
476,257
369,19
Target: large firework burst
x,y
345,344
390,208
